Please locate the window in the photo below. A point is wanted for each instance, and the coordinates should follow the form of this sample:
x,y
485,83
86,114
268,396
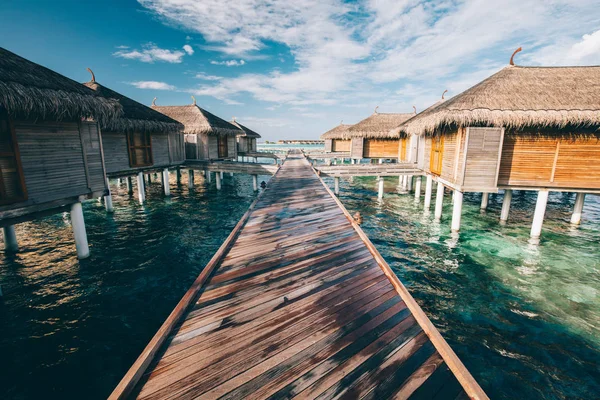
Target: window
x,y
12,182
222,143
140,149
437,154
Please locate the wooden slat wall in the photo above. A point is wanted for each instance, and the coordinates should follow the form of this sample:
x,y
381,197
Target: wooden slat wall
x,y
482,159
213,147
116,155
91,140
252,144
242,145
231,147
191,147
380,148
426,154
160,150
340,145
449,157
529,161
176,147
357,145
328,145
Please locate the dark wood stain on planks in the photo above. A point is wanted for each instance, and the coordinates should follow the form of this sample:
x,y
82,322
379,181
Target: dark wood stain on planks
x,y
298,308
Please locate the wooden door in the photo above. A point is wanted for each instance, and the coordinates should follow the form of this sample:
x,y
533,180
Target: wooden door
x,y
437,154
403,149
222,147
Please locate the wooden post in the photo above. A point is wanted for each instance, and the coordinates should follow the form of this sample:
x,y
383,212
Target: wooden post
x,y
140,185
78,225
10,239
578,209
129,185
255,182
538,216
149,179
380,189
439,201
336,185
178,176
457,211
484,200
428,189
505,206
165,182
219,177
417,189
190,178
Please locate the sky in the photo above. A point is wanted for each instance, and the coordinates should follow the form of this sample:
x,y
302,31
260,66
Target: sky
x,y
295,69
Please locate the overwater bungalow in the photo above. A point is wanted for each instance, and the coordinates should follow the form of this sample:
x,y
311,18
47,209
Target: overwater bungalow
x,y
246,139
373,138
142,140
337,139
524,128
51,149
207,137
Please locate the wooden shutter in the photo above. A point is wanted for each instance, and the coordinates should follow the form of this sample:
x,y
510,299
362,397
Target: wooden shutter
x,y
437,154
140,149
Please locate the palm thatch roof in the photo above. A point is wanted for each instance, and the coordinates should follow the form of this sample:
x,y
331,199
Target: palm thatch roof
x,y
197,120
136,116
30,91
246,132
339,132
378,126
519,98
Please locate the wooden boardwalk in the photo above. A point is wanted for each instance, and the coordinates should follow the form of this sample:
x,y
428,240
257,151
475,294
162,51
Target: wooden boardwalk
x,y
297,303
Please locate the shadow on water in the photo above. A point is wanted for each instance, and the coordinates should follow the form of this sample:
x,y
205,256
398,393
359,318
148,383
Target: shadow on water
x,y
525,319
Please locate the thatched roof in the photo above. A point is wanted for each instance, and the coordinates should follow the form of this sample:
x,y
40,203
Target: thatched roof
x,y
378,125
246,132
30,91
197,120
519,98
339,132
136,116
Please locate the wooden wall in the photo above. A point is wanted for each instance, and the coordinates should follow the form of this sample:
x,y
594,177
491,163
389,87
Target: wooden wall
x,y
550,162
243,144
340,145
328,145
357,147
231,147
176,147
93,155
252,145
213,147
381,148
482,157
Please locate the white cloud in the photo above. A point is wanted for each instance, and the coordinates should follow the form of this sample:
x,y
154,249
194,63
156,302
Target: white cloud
x,y
152,85
229,63
151,53
206,77
188,49
578,51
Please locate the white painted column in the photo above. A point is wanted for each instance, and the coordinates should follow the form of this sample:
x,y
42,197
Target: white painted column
x,y
221,173
417,189
336,185
190,178
457,211
108,203
505,205
10,239
218,180
78,225
381,161
140,185
409,183
118,181
439,201
129,185
428,189
165,182
578,209
484,200
255,182
231,174
352,161
255,160
380,189
538,216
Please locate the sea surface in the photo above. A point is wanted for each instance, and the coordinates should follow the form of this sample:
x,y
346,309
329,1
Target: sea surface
x,y
524,318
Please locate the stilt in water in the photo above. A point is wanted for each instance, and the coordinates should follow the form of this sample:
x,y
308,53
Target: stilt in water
x,y
578,209
255,182
352,161
417,189
505,206
457,211
140,185
409,183
221,173
178,171
190,178
78,225
165,182
439,201
10,239
381,161
484,201
380,187
219,177
108,203
208,176
538,216
428,189
129,185
336,185
149,179
231,174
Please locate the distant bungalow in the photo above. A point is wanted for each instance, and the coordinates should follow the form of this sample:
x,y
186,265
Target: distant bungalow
x,y
246,139
207,137
524,128
51,157
373,137
337,139
142,140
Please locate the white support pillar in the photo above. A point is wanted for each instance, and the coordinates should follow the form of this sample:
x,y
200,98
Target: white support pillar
x,y
578,209
256,160
484,200
457,211
190,178
108,203
10,239
231,174
129,185
505,205
221,173
165,182
78,225
428,189
409,183
218,180
538,216
208,175
334,160
439,201
381,161
380,187
417,189
255,182
352,161
118,181
140,185
336,185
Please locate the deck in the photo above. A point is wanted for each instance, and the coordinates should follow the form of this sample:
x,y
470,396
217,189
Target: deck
x,y
386,169
297,303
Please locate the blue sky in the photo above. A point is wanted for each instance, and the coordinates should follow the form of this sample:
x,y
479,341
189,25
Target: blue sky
x,y
294,69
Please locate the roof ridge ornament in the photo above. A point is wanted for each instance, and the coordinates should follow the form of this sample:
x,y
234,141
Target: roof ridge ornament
x,y
375,112
233,119
512,58
193,101
154,101
93,76
445,91
415,110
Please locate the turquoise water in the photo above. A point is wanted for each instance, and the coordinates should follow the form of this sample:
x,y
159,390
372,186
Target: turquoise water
x,y
524,319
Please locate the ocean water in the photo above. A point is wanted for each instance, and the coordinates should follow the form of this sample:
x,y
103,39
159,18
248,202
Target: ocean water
x,y
524,318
